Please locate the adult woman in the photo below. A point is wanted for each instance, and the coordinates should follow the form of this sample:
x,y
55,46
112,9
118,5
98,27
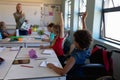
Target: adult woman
x,y
19,16
20,19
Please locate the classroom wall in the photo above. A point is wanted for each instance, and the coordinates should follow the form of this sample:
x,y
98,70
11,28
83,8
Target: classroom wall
x,y
44,1
40,12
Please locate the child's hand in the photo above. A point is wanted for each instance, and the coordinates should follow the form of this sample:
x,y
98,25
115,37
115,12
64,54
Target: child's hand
x,y
50,65
84,16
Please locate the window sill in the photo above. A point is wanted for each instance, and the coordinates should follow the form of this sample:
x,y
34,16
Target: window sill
x,y
113,45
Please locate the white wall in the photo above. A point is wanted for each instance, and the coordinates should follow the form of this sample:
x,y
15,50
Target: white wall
x,y
44,1
36,11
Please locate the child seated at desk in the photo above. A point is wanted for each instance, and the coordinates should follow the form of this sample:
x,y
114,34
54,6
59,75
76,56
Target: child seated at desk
x,y
82,41
51,36
58,40
3,31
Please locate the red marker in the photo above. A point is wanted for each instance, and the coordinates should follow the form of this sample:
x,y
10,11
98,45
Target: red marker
x,y
26,66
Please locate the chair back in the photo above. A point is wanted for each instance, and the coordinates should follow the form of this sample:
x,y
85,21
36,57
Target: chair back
x,y
101,55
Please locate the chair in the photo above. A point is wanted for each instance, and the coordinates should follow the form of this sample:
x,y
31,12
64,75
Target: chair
x,y
116,63
95,69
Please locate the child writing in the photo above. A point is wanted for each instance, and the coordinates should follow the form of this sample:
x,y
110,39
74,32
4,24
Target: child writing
x,y
82,41
51,36
3,31
56,45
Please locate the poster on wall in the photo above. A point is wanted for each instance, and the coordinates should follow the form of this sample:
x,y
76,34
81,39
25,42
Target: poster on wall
x,y
50,14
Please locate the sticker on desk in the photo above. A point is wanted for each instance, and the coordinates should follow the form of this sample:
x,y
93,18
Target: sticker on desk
x,y
47,52
44,63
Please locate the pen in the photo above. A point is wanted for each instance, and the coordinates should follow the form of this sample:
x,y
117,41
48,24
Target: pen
x,y
40,58
26,66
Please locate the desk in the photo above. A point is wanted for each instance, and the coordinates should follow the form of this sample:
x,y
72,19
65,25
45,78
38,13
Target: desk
x,y
28,41
32,42
6,43
36,73
9,56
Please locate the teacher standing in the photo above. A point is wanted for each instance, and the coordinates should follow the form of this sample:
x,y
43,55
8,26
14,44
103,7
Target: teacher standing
x,y
19,19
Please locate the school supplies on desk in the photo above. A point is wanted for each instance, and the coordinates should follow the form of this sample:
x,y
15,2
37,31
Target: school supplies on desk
x,y
2,49
21,61
32,54
15,48
38,37
26,66
40,58
47,52
44,63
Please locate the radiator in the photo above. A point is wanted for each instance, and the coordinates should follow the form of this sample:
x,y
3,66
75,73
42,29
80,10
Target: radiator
x,y
116,65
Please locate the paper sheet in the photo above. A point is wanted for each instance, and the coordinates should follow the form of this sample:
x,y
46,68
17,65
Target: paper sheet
x,y
44,63
47,52
2,49
15,48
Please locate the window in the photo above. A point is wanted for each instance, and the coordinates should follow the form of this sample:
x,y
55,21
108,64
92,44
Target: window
x,y
110,22
68,5
82,8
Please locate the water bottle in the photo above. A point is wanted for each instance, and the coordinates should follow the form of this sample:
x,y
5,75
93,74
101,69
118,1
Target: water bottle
x,y
0,36
17,32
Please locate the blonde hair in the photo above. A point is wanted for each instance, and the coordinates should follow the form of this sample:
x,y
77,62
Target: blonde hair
x,y
17,6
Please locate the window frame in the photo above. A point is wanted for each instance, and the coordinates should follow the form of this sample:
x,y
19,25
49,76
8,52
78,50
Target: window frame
x,y
68,13
102,28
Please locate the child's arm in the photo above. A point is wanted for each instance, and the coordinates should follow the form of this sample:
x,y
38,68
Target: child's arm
x,y
67,67
6,35
61,26
83,20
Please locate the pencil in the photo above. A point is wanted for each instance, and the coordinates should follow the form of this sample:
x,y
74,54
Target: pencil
x,y
26,66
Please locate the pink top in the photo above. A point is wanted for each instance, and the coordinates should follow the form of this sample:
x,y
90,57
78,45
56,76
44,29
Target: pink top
x,y
57,47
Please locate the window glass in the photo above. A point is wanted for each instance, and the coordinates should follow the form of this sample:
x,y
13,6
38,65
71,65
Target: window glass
x,y
110,22
68,9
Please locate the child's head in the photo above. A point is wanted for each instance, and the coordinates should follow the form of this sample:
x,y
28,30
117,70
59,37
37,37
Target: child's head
x,y
2,25
82,39
56,29
49,27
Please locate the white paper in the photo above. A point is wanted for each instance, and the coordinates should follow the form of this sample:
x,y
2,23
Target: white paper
x,y
2,49
47,52
44,63
15,48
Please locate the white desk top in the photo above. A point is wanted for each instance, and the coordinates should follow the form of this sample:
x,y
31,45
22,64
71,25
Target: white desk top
x,y
24,53
37,72
29,40
9,56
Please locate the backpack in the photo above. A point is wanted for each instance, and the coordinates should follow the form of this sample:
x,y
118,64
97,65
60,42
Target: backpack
x,y
101,55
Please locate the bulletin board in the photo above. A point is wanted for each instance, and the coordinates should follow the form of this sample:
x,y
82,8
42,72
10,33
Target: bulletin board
x,y
50,13
36,13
